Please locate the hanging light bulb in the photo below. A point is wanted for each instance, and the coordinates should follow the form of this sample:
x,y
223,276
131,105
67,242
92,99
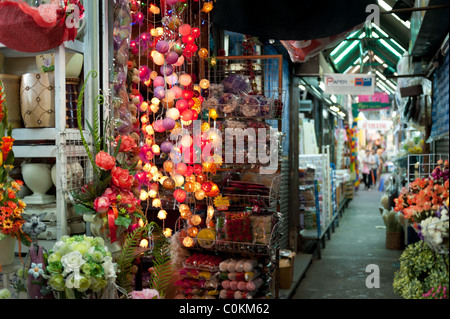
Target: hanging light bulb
x,y
143,195
156,202
152,193
188,242
167,232
162,214
143,243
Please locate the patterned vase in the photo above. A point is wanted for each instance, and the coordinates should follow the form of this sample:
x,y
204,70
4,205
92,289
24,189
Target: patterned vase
x,y
11,87
72,92
37,99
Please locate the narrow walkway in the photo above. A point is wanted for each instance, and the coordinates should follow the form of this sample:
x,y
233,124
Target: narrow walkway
x,y
356,243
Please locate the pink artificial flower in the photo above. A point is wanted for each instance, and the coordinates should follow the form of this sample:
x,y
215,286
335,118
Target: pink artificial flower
x,y
145,294
101,204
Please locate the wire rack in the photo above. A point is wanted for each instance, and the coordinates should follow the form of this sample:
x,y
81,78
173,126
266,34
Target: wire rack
x,y
243,248
264,72
76,168
422,165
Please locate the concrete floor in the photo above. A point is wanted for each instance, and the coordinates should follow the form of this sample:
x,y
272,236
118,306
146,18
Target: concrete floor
x,y
355,244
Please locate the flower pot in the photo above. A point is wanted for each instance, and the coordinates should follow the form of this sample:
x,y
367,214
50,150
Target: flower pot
x,y
74,64
7,245
394,241
38,179
11,88
37,99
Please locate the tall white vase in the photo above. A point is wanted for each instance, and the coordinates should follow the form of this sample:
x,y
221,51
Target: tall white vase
x,y
7,245
38,178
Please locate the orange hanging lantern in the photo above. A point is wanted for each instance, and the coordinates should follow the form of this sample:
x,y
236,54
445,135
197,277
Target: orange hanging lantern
x,y
195,220
169,184
200,194
201,178
180,195
189,187
193,231
215,191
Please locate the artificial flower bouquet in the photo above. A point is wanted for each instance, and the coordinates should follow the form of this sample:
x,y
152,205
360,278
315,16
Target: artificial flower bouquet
x,y
425,204
113,193
11,207
80,267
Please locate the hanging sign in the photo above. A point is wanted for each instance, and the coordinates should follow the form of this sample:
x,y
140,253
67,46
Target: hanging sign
x,y
375,125
355,84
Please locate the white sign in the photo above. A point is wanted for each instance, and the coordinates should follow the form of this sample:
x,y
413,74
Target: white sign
x,y
355,84
375,125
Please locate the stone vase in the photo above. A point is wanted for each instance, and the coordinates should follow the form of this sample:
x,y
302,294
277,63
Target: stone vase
x,y
37,99
38,179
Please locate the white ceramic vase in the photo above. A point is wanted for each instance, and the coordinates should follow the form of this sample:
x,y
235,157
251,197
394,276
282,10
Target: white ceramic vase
x,y
74,64
38,179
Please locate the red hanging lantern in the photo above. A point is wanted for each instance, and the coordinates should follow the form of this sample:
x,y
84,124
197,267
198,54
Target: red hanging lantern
x,y
180,195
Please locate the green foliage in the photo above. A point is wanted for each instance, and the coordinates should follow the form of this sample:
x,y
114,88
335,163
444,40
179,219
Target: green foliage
x,y
162,264
126,257
421,269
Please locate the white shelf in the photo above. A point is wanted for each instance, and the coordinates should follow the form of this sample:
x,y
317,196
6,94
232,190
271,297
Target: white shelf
x,y
47,134
37,151
75,46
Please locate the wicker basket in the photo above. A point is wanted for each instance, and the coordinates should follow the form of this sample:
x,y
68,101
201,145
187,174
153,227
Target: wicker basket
x,y
394,241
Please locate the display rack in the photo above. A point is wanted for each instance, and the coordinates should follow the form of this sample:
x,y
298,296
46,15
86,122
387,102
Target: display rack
x,y
421,165
59,144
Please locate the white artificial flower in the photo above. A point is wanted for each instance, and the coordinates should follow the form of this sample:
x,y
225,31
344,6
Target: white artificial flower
x,y
109,267
72,262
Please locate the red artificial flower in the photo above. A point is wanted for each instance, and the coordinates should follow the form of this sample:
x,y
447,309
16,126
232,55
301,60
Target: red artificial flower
x,y
105,161
121,178
127,143
101,204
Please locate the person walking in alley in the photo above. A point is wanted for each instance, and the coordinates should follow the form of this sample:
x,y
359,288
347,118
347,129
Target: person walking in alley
x,y
368,162
375,166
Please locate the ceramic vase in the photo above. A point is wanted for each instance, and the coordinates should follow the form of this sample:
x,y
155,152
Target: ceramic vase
x,y
37,99
11,88
7,245
45,62
38,179
74,64
99,229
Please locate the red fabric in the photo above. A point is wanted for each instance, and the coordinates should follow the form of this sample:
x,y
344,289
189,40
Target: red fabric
x,y
22,27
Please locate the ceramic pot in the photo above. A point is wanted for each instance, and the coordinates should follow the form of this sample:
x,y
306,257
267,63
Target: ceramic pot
x,y
37,99
74,64
38,179
45,62
11,88
7,245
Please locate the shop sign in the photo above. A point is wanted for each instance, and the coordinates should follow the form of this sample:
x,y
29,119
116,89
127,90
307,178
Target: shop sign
x,y
375,125
355,84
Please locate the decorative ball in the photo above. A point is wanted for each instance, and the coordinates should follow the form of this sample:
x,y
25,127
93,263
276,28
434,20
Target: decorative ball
x,y
179,180
195,32
202,178
185,214
193,231
204,84
200,194
166,70
184,29
162,46
188,242
197,169
186,141
190,47
169,184
168,166
173,113
158,81
166,147
206,187
185,79
180,195
169,123
156,202
195,220
188,39
171,79
159,92
189,187
186,115
158,58
158,126
203,53
172,57
181,105
181,168
162,214
171,2
180,61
